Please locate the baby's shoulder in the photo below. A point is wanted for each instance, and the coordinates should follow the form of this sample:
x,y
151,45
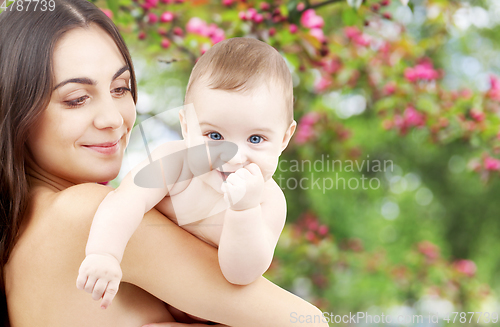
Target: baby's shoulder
x,y
272,191
168,148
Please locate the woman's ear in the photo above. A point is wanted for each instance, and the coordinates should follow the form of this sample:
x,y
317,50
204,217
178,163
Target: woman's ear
x,y
288,135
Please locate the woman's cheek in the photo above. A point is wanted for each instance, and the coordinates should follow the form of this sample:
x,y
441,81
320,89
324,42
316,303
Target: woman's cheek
x,y
130,116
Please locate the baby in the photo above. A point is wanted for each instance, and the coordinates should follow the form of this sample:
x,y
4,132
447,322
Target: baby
x,y
240,113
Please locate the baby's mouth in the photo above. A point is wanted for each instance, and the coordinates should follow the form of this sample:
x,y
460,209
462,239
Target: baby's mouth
x,y
224,175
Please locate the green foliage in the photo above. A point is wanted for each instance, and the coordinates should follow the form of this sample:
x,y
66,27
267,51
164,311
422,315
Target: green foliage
x,y
382,82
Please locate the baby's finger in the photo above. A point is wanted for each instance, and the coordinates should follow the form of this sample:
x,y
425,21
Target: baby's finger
x,y
110,293
99,288
243,173
89,286
234,179
254,169
81,281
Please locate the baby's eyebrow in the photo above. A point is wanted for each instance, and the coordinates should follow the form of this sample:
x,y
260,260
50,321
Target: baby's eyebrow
x,y
255,130
264,129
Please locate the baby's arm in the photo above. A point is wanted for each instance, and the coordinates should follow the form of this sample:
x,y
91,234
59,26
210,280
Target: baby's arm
x,y
250,234
115,221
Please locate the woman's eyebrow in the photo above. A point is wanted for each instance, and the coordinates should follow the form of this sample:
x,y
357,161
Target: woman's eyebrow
x,y
120,71
88,81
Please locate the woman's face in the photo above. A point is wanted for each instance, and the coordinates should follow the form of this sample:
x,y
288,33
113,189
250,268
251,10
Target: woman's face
x,y
84,130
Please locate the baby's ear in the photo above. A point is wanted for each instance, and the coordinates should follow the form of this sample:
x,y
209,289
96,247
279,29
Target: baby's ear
x,y
288,135
182,119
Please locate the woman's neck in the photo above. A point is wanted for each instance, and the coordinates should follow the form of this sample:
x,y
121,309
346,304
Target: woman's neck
x,y
39,177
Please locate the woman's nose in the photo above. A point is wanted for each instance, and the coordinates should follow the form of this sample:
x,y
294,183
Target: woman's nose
x,y
108,115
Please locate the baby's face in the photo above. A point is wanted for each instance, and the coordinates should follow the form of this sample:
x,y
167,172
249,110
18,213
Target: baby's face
x,y
254,121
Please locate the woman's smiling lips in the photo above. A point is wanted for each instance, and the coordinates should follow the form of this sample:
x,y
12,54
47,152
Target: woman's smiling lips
x,y
105,148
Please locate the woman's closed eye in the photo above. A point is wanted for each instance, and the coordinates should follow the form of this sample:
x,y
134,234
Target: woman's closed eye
x,y
77,102
121,91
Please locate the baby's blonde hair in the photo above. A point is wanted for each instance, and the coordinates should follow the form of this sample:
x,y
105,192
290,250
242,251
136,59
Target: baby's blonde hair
x,y
243,64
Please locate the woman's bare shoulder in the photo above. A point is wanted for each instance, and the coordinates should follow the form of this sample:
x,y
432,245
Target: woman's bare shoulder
x,y
78,203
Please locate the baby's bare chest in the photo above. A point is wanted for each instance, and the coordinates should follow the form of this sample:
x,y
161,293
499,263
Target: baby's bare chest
x,y
198,209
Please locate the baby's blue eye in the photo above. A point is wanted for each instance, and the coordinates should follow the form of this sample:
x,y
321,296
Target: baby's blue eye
x,y
215,136
255,139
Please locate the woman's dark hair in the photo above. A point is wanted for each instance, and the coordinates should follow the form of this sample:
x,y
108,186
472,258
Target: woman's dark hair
x,y
27,41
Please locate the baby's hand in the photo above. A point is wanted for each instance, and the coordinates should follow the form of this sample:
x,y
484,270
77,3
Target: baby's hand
x,y
100,274
243,189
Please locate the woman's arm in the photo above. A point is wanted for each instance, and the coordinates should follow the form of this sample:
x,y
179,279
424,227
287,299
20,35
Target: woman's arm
x,y
183,271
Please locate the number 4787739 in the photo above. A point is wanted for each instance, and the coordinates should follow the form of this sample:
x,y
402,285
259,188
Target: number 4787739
x,y
25,5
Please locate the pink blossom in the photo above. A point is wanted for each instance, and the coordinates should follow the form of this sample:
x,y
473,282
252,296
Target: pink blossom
x,y
166,17
430,250
331,66
227,2
494,91
310,236
390,88
196,25
351,32
258,18
422,71
362,40
477,115
309,19
491,163
178,31
215,33
466,267
251,13
413,118
151,3
309,118
165,43
141,35
242,15
152,18
466,94
354,34
495,83
272,31
323,230
265,6
300,6
313,225
293,28
108,12
322,84
318,34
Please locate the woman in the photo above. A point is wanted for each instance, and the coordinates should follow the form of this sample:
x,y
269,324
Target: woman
x,y
67,105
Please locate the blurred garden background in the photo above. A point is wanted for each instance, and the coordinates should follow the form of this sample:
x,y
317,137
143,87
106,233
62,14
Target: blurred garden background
x,y
392,178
